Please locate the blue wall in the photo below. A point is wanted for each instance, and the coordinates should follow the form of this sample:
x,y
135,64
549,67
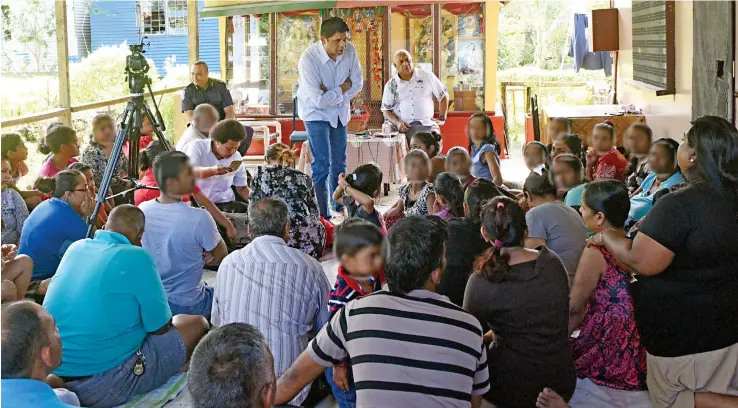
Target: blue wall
x,y
112,22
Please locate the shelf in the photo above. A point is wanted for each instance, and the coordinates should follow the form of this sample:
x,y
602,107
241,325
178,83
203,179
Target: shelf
x,y
655,89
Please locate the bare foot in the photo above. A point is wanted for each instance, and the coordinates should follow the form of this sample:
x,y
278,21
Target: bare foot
x,y
43,287
548,398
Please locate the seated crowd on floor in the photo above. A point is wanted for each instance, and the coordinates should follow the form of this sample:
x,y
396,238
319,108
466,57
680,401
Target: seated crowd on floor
x,y
604,279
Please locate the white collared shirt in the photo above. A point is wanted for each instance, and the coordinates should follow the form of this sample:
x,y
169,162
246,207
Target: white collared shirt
x,y
413,100
317,68
216,188
190,134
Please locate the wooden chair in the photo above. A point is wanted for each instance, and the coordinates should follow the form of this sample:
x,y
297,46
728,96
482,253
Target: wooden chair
x,y
536,118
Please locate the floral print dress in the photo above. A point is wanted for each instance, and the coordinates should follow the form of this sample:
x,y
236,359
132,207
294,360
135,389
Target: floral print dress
x,y
14,214
608,350
95,157
307,233
419,206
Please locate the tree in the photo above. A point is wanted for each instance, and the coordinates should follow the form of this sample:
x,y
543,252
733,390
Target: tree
x,y
34,28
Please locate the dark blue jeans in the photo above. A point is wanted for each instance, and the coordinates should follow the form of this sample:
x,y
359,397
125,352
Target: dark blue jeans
x,y
345,399
328,147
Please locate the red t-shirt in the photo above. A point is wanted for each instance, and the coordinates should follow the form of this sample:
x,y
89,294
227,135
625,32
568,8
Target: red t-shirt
x,y
143,195
612,165
142,143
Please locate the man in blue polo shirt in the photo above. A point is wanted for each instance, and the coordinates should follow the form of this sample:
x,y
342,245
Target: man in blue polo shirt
x,y
118,335
31,351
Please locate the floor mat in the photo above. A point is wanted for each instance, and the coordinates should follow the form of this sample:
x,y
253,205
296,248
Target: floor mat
x,y
160,396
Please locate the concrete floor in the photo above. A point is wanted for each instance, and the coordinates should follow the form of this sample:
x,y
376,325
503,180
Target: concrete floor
x,y
513,168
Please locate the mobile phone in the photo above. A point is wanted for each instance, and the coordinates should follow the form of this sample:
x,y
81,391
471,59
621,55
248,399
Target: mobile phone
x,y
235,164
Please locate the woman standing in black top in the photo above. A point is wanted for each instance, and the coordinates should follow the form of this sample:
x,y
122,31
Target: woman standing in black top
x,y
521,298
685,259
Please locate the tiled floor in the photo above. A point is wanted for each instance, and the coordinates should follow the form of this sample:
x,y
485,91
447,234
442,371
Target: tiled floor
x,y
512,169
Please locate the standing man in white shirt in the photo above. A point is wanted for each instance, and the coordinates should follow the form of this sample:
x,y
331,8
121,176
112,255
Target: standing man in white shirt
x,y
408,98
329,76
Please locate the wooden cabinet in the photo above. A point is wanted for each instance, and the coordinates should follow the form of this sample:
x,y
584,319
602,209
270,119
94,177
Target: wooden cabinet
x,y
605,35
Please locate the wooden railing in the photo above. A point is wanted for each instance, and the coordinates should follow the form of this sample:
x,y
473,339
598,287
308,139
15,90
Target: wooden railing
x,y
62,112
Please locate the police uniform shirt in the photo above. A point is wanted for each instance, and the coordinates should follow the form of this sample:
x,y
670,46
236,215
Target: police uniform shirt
x,y
216,94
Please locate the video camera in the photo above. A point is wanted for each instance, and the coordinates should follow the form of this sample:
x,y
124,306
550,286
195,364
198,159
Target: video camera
x,y
137,67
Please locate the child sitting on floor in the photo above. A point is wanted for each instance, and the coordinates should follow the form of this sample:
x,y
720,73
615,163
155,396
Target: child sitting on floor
x,y
459,162
449,196
417,196
360,248
535,155
358,192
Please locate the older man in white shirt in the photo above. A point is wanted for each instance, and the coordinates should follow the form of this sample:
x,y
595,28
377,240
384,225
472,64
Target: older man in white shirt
x,y
204,117
408,98
329,76
281,291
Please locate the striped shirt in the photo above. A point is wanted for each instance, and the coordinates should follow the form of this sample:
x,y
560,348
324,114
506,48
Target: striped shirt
x,y
279,290
414,350
347,289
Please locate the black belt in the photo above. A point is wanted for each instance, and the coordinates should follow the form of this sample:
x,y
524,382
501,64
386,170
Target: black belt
x,y
72,379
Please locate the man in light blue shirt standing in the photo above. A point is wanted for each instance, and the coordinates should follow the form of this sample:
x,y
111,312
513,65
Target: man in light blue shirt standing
x,y
329,76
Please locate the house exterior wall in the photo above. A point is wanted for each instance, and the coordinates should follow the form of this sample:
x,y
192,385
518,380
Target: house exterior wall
x,y
668,115
112,22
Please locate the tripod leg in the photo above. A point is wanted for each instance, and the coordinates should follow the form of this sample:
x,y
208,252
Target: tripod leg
x,y
160,136
110,169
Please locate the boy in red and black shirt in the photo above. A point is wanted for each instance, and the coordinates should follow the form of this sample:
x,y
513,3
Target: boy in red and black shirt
x,y
360,248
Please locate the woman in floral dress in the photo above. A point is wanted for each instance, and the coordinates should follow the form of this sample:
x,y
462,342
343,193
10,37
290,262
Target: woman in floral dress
x,y
610,359
97,154
278,180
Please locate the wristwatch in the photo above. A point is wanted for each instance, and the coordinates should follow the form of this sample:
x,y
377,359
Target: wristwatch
x,y
442,118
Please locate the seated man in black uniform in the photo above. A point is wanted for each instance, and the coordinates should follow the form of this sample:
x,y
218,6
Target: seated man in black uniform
x,y
206,90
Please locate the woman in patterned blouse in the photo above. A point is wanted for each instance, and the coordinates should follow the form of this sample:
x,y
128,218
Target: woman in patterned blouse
x,y
97,153
14,210
278,180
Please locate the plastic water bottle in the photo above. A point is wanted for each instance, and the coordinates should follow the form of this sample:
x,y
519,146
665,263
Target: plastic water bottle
x,y
387,128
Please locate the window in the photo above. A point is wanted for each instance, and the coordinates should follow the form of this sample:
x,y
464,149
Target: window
x,y
294,34
248,63
462,55
263,52
162,17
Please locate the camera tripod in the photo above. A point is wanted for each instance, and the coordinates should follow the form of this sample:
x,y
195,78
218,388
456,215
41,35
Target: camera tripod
x,y
130,129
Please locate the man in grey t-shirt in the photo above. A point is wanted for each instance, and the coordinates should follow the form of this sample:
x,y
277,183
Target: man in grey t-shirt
x,y
561,229
182,239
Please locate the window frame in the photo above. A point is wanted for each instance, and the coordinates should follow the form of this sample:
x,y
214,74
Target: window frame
x,y
168,30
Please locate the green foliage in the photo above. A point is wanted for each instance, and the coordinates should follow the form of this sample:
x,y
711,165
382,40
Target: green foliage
x,y
583,89
33,27
102,75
